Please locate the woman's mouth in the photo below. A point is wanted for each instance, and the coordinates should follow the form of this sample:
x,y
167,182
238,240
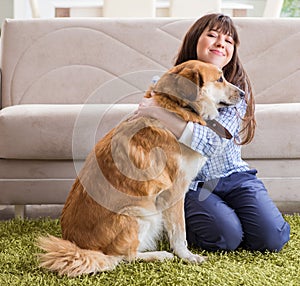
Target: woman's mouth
x,y
217,52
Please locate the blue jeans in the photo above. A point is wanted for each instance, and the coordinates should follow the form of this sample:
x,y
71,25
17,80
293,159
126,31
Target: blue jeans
x,y
234,211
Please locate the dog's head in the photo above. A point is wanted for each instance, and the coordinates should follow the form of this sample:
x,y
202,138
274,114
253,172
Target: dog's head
x,y
199,87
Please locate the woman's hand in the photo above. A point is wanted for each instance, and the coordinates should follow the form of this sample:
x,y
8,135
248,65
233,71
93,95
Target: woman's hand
x,y
149,108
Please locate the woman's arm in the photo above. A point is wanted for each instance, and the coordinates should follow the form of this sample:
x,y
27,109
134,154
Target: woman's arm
x,y
171,121
197,137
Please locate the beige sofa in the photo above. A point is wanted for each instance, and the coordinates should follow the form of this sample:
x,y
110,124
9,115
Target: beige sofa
x,y
66,82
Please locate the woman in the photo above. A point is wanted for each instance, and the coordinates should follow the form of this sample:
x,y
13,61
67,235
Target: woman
x,y
227,206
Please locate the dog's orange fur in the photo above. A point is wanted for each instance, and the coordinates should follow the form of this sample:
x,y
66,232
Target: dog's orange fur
x,y
127,189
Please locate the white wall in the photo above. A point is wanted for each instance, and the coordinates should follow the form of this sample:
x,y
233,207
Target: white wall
x,y
258,6
6,9
46,7
21,8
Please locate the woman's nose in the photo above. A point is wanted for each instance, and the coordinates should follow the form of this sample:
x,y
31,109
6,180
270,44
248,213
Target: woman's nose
x,y
220,42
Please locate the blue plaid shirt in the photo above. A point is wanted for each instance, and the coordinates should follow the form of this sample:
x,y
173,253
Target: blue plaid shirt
x,y
223,155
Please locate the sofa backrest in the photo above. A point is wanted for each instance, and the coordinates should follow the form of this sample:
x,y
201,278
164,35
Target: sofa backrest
x,y
70,61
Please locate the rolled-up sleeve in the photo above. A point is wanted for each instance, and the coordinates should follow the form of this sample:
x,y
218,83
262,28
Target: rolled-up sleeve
x,y
201,139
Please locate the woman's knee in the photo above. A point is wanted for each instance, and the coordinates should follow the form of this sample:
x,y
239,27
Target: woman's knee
x,y
214,233
272,239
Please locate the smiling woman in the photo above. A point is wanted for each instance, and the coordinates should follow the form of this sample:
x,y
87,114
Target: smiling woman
x,y
215,47
226,196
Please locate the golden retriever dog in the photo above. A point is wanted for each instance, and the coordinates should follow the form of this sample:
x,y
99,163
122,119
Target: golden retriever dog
x,y
133,183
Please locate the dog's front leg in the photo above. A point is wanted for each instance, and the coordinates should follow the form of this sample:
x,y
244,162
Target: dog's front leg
x,y
175,225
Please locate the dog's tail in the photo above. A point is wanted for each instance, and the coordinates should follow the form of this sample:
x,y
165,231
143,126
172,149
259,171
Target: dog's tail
x,y
66,258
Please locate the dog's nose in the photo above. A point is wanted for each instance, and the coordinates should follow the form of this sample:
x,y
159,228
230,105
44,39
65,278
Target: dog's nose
x,y
242,93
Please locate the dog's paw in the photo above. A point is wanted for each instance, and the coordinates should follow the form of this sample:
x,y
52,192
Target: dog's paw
x,y
155,255
195,258
191,257
209,112
163,255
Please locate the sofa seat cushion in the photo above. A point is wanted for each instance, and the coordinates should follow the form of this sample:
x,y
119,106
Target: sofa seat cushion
x,y
277,136
51,131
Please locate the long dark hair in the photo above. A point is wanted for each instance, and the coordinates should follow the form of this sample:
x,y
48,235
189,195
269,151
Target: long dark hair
x,y
233,71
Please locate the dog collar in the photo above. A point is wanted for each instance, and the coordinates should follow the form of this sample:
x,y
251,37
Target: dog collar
x,y
218,128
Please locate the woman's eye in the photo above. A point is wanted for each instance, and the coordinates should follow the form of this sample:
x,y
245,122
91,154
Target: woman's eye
x,y
229,40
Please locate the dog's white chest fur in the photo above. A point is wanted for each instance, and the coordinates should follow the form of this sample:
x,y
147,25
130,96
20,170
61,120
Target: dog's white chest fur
x,y
150,229
151,225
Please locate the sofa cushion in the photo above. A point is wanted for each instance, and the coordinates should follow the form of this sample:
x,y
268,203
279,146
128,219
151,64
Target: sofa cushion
x,y
70,131
49,131
36,56
269,49
277,135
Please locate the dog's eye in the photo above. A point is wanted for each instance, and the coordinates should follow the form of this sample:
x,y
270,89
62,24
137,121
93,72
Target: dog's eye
x,y
220,79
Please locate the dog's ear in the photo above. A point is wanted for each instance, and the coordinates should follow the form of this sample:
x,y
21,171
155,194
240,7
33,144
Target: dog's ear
x,y
183,83
189,82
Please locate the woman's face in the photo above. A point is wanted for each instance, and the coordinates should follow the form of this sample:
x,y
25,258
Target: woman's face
x,y
215,48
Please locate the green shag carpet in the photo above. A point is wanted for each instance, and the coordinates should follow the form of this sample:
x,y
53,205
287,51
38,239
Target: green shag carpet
x,y
19,265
